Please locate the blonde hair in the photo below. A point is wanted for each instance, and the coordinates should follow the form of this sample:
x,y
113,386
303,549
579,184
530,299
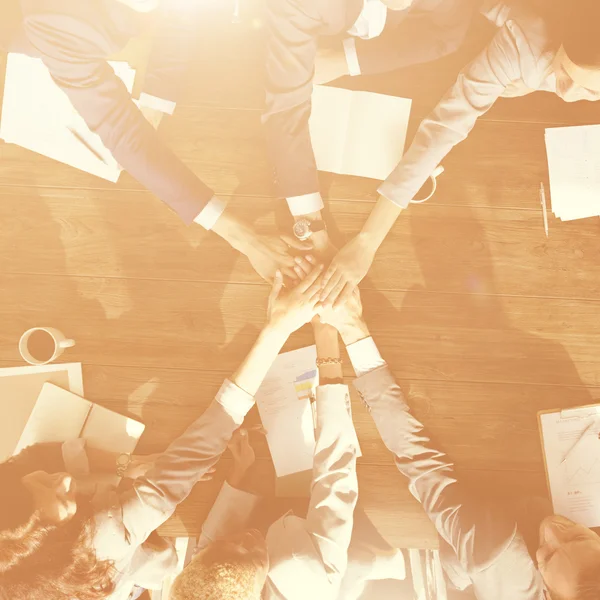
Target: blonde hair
x,y
216,574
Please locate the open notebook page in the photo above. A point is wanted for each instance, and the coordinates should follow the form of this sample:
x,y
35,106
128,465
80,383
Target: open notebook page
x,y
376,135
329,123
108,430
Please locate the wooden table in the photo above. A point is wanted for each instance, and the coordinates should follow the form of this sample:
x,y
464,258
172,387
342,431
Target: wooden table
x,y
483,319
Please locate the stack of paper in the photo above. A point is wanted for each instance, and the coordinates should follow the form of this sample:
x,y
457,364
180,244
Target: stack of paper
x,y
358,133
284,406
52,127
571,445
19,391
574,170
283,402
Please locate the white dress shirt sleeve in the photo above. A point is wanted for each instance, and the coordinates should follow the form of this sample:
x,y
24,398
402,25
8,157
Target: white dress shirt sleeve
x,y
329,520
364,356
351,56
165,106
211,213
305,204
236,402
477,88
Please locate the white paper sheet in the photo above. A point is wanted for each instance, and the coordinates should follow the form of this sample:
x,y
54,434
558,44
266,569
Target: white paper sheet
x,y
53,127
285,410
19,391
358,133
574,481
574,171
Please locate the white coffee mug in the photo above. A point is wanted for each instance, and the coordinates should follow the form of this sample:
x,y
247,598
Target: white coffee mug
x,y
54,336
437,171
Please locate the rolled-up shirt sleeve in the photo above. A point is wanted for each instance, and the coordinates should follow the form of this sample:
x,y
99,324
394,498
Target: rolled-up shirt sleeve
x,y
476,90
329,519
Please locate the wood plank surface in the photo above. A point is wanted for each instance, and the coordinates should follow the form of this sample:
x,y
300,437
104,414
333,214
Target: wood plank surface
x,y
483,320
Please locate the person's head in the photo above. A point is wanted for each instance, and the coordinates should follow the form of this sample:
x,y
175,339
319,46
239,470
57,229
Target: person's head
x,y
45,541
234,568
578,59
398,4
569,560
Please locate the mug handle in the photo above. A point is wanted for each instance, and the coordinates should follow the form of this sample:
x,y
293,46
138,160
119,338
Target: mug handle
x,y
436,172
66,344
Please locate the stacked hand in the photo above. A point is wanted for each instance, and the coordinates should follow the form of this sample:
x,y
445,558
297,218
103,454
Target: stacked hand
x,y
346,271
268,254
290,309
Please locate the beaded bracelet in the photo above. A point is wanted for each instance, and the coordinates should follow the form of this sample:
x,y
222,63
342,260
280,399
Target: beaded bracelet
x,y
329,361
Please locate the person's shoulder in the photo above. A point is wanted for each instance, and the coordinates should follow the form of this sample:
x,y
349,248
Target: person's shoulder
x,y
60,33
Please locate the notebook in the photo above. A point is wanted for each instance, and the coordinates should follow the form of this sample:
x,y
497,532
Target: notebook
x,y
53,127
60,415
358,133
574,171
571,448
19,391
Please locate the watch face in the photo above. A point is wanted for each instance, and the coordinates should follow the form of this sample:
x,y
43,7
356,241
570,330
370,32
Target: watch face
x,y
301,229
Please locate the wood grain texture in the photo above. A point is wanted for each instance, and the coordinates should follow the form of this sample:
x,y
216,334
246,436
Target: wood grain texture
x,y
483,320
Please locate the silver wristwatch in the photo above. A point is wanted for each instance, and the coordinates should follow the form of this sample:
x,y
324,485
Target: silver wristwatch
x,y
304,228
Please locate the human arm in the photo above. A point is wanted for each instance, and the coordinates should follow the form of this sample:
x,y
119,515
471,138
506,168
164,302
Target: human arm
x,y
235,504
477,88
334,490
72,48
290,59
154,497
329,519
422,36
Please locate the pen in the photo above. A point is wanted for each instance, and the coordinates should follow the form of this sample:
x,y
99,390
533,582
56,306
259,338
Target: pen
x,y
544,210
577,442
81,140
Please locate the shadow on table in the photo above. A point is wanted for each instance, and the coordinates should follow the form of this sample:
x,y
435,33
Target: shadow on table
x,y
468,340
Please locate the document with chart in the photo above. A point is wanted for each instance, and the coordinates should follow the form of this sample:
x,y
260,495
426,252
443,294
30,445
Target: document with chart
x,y
571,447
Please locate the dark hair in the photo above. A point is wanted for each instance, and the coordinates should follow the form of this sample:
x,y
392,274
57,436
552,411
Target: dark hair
x,y
580,38
46,562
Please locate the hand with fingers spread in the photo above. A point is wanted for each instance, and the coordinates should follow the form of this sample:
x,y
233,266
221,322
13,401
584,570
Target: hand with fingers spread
x,y
346,318
289,310
268,254
346,271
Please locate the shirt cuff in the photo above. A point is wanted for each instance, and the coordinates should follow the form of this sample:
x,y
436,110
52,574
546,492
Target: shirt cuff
x,y
307,203
364,356
236,402
394,194
351,56
165,106
210,214
75,458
